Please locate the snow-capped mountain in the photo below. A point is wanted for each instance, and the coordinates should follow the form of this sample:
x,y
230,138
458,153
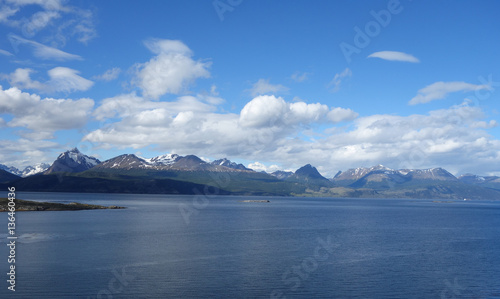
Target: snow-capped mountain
x,y
485,181
428,174
227,163
281,175
472,178
167,159
352,175
176,174
35,169
11,169
126,161
27,171
72,161
358,177
172,162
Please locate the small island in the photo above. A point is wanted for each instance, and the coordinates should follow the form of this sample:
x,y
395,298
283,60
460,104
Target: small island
x,y
25,205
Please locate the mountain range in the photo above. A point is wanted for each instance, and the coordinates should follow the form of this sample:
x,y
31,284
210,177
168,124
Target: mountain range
x,y
74,171
27,171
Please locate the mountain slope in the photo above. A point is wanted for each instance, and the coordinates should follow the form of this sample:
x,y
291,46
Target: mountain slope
x,y
6,176
309,176
282,175
11,169
350,176
35,169
483,181
28,170
76,182
168,163
174,174
227,163
123,162
72,161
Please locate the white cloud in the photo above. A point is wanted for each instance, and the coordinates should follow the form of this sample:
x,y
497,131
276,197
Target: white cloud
x,y
162,46
39,21
440,90
46,4
263,111
21,78
130,104
338,78
299,77
170,71
61,79
269,111
6,53
263,86
339,114
190,125
83,28
257,166
66,79
22,152
42,51
67,21
437,139
6,12
394,56
43,115
109,75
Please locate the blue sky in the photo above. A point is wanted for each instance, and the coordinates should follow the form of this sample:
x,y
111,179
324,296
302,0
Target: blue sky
x,y
271,84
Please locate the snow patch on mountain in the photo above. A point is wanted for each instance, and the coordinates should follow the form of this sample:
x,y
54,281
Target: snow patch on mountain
x,y
35,169
167,159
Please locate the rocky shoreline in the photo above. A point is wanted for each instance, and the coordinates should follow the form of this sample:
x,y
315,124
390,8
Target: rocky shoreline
x,y
25,205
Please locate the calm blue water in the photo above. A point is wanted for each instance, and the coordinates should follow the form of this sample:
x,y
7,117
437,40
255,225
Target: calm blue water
x,y
224,248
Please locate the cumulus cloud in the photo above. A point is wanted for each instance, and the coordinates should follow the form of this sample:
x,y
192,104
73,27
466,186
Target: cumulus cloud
x,y
23,151
262,86
439,138
61,79
191,125
21,78
32,112
334,85
126,105
170,71
394,56
269,111
440,90
257,166
276,135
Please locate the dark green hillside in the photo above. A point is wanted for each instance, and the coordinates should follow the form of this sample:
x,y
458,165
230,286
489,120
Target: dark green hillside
x,y
111,184
6,176
159,182
239,183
